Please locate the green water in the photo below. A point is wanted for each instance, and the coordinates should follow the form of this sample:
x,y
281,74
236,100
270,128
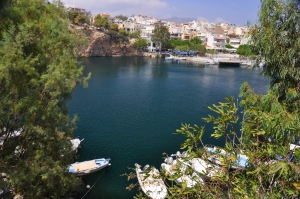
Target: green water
x,y
133,106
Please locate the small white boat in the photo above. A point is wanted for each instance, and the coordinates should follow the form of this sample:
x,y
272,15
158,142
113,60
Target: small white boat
x,y
169,58
202,169
151,183
76,143
210,62
90,166
173,167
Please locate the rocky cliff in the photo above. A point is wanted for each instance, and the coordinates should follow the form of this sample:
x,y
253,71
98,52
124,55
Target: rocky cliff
x,y
108,44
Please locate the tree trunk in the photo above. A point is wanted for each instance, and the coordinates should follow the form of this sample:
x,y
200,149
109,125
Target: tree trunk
x,y
160,48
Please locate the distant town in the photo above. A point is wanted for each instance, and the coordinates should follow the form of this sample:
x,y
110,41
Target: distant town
x,y
213,36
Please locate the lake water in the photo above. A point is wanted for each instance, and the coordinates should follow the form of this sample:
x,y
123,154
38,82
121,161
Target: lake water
x,y
133,106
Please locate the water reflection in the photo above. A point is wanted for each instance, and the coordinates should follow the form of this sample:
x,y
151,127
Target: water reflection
x,y
112,66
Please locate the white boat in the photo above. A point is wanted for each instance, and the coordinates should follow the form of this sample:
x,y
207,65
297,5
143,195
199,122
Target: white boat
x,y
169,58
293,147
210,62
76,143
202,169
173,167
9,135
151,183
90,166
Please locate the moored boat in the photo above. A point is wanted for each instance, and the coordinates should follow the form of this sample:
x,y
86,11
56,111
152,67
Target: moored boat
x,y
90,166
216,153
174,167
210,62
169,58
202,170
76,143
150,182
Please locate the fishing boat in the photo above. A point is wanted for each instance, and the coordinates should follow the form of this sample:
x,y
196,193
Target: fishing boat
x,y
174,167
87,167
202,170
150,182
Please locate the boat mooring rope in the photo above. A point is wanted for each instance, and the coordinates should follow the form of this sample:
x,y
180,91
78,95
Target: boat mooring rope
x,y
93,185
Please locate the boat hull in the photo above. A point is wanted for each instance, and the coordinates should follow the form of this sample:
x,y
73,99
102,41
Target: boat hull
x,y
91,171
151,183
87,167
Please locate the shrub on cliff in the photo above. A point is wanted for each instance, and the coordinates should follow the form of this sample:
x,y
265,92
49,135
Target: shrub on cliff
x,y
117,37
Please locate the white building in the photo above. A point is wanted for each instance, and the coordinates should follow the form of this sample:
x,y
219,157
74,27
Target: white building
x,y
216,42
235,42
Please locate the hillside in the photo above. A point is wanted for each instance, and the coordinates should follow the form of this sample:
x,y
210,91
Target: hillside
x,y
108,43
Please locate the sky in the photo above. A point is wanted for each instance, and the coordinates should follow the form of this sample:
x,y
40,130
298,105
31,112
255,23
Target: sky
x,y
237,12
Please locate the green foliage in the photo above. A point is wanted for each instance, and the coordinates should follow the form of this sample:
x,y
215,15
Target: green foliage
x,y
81,19
227,40
228,46
194,44
135,34
114,27
38,73
122,17
97,21
211,51
117,36
104,22
101,22
245,50
195,40
276,40
140,43
197,47
183,48
176,43
72,16
264,118
161,35
123,32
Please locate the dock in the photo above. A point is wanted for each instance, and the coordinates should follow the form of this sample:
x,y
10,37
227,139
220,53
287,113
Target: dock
x,y
229,62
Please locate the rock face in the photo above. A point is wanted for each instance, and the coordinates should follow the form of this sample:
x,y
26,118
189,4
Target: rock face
x,y
108,44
